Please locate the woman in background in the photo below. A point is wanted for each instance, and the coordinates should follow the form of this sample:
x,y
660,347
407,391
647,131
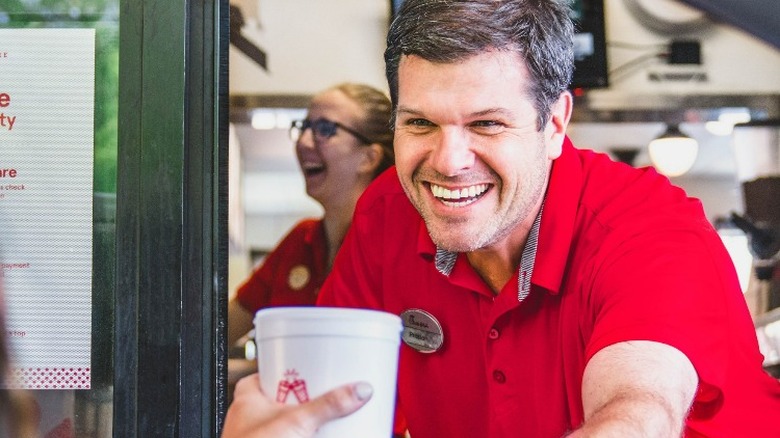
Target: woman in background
x,y
344,142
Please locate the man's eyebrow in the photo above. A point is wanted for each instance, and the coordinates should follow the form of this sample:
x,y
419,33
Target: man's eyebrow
x,y
493,111
408,111
486,112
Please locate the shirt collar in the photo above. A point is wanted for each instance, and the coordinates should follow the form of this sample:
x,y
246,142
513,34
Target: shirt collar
x,y
556,231
445,260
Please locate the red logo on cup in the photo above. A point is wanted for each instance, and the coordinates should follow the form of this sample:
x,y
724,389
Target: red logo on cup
x,y
291,382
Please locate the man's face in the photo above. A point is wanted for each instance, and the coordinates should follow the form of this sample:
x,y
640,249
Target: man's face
x,y
468,151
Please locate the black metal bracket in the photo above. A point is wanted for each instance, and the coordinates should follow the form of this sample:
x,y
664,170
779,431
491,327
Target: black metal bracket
x,y
240,42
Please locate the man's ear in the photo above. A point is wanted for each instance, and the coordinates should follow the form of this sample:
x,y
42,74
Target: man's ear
x,y
372,158
555,130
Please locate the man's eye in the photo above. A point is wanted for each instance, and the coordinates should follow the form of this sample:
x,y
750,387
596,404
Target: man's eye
x,y
485,123
487,126
418,126
419,123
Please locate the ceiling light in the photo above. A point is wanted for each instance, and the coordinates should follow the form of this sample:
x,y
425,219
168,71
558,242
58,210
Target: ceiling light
x,y
726,121
263,119
673,153
721,129
275,118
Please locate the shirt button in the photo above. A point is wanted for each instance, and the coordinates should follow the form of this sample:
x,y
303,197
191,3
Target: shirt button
x,y
493,334
499,376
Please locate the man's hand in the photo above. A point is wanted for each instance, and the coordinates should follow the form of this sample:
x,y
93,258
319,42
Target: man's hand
x,y
253,415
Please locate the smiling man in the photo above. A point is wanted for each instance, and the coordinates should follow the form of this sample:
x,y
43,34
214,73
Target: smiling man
x,y
545,290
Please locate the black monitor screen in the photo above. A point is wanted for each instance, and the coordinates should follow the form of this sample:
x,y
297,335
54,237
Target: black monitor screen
x,y
590,46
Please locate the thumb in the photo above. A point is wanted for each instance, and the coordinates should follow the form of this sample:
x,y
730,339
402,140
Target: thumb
x,y
336,403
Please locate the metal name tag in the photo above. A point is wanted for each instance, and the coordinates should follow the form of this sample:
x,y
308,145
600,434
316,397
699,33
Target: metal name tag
x,y
421,331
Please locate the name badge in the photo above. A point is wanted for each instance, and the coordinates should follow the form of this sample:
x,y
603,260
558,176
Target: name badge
x,y
421,331
298,277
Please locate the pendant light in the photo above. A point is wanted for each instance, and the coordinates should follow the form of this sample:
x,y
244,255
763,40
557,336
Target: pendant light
x,y
673,153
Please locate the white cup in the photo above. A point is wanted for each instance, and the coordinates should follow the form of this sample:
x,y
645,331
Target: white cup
x,y
303,352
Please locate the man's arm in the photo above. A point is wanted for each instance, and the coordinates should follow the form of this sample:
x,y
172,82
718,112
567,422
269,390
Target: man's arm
x,y
637,389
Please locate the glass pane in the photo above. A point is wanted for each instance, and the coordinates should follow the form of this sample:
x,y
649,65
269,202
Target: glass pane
x,y
64,411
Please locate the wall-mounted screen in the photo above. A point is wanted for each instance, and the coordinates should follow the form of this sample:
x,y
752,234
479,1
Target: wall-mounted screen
x,y
590,46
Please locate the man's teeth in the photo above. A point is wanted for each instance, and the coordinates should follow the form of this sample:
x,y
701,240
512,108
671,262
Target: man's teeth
x,y
462,196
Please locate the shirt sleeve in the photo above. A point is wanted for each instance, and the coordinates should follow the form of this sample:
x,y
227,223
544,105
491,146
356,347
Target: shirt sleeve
x,y
255,292
355,280
677,287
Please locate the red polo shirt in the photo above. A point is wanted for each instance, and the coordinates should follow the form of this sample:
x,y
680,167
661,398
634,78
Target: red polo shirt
x,y
622,255
292,274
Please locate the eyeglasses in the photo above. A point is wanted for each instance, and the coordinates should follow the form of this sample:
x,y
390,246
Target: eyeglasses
x,y
322,129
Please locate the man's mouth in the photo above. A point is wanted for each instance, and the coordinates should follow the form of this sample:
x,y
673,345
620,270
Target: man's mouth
x,y
459,197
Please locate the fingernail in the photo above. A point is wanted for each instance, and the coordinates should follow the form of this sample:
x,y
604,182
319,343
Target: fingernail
x,y
363,391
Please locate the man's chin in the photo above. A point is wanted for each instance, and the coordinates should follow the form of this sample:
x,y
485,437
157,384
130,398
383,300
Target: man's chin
x,y
453,242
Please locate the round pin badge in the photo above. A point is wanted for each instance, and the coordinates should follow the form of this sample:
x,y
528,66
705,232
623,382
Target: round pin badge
x,y
421,331
298,277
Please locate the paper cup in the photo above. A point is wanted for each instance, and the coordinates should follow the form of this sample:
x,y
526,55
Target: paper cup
x,y
303,352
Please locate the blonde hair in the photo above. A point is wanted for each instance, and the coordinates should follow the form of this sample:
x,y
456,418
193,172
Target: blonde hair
x,y
375,124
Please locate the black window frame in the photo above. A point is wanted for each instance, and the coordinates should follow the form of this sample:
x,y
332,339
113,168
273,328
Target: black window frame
x,y
171,226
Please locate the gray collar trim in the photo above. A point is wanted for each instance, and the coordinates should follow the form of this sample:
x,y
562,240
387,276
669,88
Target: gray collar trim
x,y
445,260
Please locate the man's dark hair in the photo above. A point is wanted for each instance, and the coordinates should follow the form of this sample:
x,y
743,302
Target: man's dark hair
x,y
444,31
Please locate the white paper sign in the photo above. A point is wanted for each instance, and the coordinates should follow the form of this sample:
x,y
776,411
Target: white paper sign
x,y
47,81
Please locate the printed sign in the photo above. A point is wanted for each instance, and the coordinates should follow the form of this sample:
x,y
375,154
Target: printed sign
x,y
47,81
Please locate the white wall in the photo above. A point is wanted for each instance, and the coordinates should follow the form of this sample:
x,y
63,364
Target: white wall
x,y
311,45
733,62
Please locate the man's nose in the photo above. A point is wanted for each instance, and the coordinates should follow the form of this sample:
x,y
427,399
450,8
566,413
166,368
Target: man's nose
x,y
452,152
